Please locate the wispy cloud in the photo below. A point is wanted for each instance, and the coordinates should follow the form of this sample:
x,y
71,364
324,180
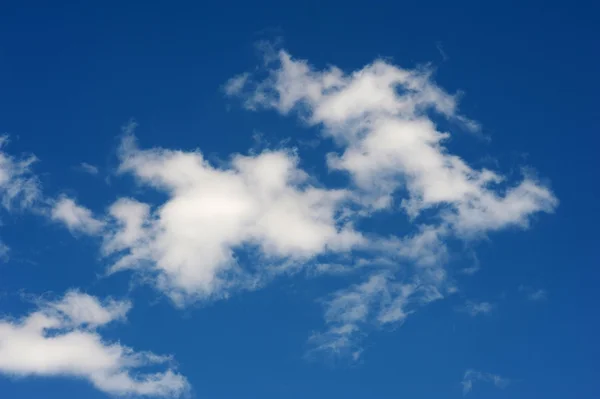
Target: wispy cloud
x,y
538,295
88,168
476,308
65,331
4,251
470,270
440,49
473,376
75,217
19,187
379,301
235,84
534,294
475,266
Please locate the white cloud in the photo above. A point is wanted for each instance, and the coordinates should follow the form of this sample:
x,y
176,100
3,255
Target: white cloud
x,y
380,119
265,202
235,84
405,274
265,207
477,308
346,313
426,247
60,338
378,116
238,224
19,187
473,268
75,217
379,301
472,376
88,168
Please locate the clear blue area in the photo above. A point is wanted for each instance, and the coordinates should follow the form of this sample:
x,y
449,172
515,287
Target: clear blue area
x,y
71,73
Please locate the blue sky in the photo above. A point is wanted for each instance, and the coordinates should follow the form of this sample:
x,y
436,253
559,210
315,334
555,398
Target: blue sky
x,y
306,200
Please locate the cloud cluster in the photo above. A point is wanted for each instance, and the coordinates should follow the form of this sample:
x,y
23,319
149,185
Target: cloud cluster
x,y
237,224
382,118
60,338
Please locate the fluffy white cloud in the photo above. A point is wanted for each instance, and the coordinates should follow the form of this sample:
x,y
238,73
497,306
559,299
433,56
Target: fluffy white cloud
x,y
76,217
265,207
262,203
379,117
240,223
472,376
60,338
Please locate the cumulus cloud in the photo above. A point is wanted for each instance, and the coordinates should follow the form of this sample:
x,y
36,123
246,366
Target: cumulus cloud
x,y
60,338
384,121
380,118
472,376
239,223
75,217
263,203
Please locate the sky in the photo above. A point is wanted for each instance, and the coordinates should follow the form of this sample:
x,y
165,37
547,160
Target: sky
x,y
306,200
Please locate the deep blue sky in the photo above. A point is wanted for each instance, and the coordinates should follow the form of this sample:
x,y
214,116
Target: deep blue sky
x,y
71,74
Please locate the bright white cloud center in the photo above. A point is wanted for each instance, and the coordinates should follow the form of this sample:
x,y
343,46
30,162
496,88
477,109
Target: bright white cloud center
x,y
263,202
